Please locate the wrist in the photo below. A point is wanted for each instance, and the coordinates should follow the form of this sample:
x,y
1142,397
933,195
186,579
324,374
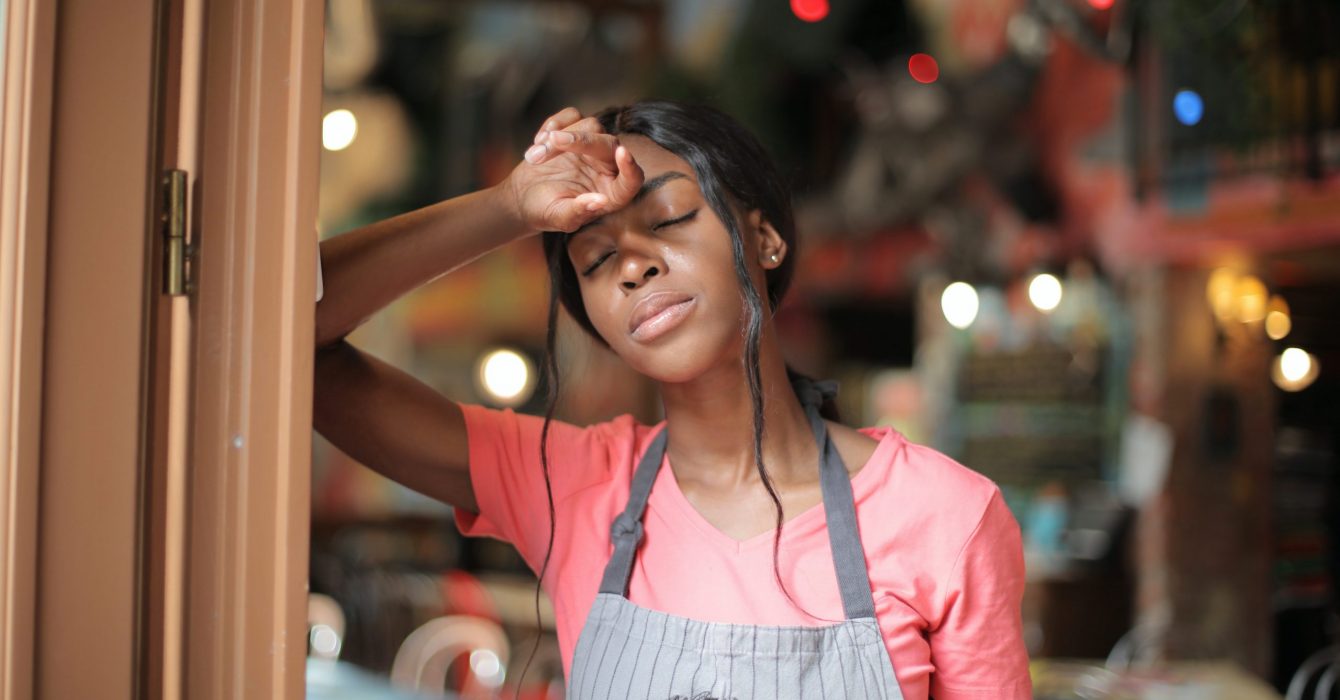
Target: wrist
x,y
507,202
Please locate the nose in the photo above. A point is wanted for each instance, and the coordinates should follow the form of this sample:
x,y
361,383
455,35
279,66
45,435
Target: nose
x,y
635,269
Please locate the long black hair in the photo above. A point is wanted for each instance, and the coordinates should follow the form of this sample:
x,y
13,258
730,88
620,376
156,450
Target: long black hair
x,y
734,172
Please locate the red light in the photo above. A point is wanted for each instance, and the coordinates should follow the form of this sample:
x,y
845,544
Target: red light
x,y
1101,4
810,10
923,68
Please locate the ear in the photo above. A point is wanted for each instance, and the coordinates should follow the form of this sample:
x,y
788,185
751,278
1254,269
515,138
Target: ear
x,y
770,247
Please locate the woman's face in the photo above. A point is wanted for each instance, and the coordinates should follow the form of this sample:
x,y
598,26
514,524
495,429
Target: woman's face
x,y
658,277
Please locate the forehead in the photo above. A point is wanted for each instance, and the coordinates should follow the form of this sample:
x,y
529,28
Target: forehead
x,y
653,159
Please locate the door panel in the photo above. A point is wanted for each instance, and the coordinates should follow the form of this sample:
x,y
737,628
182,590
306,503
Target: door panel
x,y
93,428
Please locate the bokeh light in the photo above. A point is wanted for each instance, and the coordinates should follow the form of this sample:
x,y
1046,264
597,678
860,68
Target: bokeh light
x,y
1251,299
1221,292
1045,292
1101,4
923,68
338,130
325,641
1294,369
1188,107
1278,322
959,303
506,377
810,10
487,667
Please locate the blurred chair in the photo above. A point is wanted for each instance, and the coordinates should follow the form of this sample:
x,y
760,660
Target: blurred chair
x,y
1326,684
464,594
428,652
1139,646
325,626
1322,666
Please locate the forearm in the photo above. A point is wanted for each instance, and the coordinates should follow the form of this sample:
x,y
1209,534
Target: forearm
x,y
367,268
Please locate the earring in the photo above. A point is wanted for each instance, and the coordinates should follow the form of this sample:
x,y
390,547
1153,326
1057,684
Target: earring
x,y
773,257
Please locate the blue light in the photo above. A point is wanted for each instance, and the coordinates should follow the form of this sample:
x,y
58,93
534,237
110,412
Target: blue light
x,y
1188,107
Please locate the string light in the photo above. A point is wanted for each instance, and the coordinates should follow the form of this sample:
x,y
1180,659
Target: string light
x,y
1188,107
1251,299
1294,369
1278,322
923,68
809,10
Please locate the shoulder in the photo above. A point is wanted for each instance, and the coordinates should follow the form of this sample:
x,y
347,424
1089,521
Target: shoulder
x,y
939,501
620,431
933,476
580,455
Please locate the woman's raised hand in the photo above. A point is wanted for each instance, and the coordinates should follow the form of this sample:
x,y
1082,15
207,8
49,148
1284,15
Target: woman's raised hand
x,y
572,174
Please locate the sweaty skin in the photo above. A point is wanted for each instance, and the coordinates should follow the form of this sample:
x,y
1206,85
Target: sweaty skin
x,y
670,240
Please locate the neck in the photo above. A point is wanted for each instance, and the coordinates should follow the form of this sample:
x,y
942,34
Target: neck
x,y
711,424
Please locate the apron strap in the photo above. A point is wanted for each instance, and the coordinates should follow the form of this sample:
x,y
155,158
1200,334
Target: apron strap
x,y
626,531
844,539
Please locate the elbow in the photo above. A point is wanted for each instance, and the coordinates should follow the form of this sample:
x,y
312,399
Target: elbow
x,y
328,334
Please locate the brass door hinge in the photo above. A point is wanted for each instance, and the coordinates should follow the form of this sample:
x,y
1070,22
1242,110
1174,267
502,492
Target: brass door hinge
x,y
178,254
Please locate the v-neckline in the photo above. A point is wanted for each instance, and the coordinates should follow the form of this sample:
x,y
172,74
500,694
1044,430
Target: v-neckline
x,y
667,486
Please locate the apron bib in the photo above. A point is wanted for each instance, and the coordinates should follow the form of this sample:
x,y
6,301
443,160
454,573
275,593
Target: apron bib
x,y
627,651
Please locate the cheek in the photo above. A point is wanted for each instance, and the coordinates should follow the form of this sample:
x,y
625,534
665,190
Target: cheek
x,y
601,314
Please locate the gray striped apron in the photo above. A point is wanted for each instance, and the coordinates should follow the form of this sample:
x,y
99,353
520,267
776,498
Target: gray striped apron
x,y
627,651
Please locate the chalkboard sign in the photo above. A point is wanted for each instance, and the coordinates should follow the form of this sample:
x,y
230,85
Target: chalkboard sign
x,y
1032,415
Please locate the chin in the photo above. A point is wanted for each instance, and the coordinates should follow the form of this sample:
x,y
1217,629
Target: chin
x,y
680,359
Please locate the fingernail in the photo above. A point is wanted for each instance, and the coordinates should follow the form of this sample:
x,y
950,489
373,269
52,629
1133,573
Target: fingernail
x,y
544,133
534,153
562,137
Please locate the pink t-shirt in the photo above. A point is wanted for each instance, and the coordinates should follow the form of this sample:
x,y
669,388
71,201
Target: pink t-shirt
x,y
944,554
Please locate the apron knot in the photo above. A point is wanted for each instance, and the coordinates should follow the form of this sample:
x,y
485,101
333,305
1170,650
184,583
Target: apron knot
x,y
625,527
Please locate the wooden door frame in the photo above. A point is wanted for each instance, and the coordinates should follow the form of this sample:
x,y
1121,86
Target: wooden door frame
x,y
249,490
29,52
86,515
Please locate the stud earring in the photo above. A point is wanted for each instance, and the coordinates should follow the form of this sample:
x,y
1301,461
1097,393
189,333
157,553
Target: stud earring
x,y
773,257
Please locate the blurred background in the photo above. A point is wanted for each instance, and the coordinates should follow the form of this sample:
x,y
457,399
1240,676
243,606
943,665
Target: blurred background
x,y
1089,248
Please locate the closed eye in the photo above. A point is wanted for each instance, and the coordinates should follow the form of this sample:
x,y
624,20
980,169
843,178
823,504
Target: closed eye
x,y
655,227
587,272
687,217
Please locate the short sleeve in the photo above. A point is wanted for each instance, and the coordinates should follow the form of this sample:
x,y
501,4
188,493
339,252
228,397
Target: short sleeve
x,y
978,649
508,478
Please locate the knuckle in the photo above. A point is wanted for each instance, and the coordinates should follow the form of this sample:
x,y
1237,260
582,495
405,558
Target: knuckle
x,y
588,125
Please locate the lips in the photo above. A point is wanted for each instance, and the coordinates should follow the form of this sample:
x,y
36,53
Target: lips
x,y
652,305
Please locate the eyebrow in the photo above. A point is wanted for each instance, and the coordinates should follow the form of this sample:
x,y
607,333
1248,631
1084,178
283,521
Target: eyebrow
x,y
648,187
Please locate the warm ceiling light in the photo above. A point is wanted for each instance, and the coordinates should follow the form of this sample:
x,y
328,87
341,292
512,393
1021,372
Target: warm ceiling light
x,y
1294,370
1045,292
506,377
1221,292
1251,299
1278,322
959,303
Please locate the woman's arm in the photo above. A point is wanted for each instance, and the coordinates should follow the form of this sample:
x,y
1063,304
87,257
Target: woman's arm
x,y
382,416
367,268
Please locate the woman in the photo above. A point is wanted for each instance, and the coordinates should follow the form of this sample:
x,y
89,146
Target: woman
x,y
749,546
